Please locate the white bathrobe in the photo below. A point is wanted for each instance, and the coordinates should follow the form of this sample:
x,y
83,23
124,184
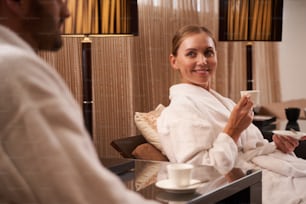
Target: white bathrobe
x,y
190,130
46,154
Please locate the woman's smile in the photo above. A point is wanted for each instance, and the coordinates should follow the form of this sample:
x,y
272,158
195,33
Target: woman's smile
x,y
201,71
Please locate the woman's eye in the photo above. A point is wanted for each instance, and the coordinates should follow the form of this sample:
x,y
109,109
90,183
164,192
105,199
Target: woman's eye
x,y
209,53
191,54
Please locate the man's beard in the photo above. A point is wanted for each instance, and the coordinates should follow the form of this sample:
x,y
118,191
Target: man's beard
x,y
44,27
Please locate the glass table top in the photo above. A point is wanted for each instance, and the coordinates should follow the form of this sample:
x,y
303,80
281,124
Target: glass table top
x,y
144,175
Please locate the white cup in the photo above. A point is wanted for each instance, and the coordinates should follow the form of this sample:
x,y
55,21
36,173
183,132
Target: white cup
x,y
180,174
254,95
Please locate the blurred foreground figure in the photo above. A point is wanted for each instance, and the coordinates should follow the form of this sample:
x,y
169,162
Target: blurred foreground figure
x,y
46,154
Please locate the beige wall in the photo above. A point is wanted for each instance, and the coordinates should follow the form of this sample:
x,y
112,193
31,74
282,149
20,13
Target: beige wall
x,y
292,50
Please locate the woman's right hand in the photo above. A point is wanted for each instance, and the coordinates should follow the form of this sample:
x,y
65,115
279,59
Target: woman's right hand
x,y
240,118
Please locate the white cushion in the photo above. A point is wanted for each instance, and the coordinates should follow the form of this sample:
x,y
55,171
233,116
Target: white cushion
x,y
146,123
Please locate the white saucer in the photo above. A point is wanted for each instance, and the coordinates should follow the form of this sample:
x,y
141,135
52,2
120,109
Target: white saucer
x,y
297,135
169,187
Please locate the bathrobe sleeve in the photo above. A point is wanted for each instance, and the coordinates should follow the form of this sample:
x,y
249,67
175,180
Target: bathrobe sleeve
x,y
186,136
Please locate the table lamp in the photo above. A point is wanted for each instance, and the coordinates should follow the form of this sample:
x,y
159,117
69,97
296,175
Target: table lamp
x,y
250,20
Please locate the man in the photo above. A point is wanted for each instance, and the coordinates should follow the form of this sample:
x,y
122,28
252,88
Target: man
x,y
46,155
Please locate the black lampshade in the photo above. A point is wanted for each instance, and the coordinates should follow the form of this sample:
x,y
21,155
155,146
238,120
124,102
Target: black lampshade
x,y
250,20
96,17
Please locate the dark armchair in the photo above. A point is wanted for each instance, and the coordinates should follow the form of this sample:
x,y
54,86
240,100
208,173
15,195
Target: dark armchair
x,y
137,147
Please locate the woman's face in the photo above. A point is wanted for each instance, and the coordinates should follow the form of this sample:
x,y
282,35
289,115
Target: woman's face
x,y
196,59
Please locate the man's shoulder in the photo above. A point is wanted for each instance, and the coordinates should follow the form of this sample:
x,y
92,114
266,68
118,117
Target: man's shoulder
x,y
13,58
15,61
28,74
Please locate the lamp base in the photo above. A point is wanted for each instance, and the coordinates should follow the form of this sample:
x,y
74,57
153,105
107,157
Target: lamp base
x,y
87,84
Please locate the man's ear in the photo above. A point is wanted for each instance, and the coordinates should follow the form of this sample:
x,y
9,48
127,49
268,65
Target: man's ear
x,y
15,6
172,60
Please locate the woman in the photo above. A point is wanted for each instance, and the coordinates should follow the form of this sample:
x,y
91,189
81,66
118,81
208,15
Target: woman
x,y
202,127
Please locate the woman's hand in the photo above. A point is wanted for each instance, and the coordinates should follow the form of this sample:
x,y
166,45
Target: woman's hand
x,y
240,118
285,144
234,174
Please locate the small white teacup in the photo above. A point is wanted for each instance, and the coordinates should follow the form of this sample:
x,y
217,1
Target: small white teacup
x,y
180,174
254,95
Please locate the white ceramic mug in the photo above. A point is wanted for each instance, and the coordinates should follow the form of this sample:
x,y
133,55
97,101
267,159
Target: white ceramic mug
x,y
180,174
254,95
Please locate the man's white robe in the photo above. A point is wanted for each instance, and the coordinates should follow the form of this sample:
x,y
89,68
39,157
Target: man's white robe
x,y
46,154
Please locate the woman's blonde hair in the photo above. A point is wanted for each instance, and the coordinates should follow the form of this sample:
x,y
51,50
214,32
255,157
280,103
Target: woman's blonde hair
x,y
185,31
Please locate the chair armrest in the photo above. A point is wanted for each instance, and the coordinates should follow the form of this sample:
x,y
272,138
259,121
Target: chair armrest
x,y
125,146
